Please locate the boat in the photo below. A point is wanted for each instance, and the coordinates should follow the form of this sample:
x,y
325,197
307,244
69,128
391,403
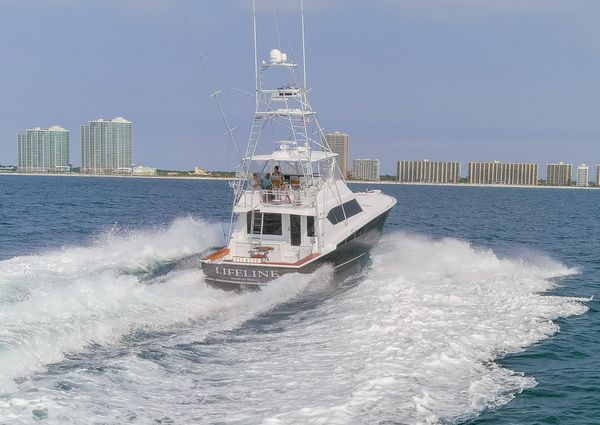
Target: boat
x,y
305,215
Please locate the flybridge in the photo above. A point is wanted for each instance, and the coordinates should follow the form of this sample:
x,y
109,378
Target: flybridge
x,y
287,113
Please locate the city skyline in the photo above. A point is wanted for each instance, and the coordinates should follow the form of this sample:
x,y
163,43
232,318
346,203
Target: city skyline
x,y
119,152
531,100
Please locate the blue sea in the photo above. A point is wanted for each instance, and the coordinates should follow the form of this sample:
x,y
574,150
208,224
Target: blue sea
x,y
479,306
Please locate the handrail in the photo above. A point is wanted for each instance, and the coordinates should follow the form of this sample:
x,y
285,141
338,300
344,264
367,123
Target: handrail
x,y
280,196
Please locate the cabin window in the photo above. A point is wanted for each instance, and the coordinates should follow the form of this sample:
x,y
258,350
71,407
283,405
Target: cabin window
x,y
295,230
310,226
336,214
271,223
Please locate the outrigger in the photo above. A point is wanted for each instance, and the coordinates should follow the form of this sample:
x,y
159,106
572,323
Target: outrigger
x,y
307,215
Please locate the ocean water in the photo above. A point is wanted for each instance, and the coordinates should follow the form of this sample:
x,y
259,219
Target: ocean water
x,y
478,307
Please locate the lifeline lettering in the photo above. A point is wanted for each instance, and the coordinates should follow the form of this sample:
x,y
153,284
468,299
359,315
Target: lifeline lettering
x,y
256,274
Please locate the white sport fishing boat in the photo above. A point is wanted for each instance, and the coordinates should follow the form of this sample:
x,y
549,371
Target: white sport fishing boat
x,y
307,216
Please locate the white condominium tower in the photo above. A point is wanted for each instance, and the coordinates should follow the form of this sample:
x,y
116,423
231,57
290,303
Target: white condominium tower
x,y
582,175
426,171
43,150
338,143
366,169
559,174
497,172
106,147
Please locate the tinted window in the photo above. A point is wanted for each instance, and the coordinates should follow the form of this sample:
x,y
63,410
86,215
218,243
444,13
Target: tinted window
x,y
271,223
310,226
336,214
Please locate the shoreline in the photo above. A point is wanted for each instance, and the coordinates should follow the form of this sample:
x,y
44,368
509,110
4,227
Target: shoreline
x,y
515,186
362,182
119,176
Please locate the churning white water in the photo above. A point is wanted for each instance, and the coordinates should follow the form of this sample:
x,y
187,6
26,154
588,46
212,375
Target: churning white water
x,y
127,331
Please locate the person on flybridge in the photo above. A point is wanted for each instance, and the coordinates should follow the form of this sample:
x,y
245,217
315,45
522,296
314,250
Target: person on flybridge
x,y
277,177
266,182
255,182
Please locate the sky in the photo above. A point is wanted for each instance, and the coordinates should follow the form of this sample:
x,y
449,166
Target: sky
x,y
459,80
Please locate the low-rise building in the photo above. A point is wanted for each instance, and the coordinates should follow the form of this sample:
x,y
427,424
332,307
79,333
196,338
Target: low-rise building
x,y
7,169
140,170
200,172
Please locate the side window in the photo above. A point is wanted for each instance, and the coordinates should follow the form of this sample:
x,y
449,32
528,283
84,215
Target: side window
x,y
336,215
351,208
271,223
310,226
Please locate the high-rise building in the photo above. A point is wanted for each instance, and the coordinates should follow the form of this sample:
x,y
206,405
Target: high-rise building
x,y
106,147
428,171
43,150
366,169
582,175
559,174
497,172
338,143
598,175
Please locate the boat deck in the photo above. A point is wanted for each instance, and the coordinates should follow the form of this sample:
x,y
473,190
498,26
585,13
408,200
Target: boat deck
x,y
260,258
285,196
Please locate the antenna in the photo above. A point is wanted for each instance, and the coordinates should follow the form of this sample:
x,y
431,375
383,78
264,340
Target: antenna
x,y
255,53
215,92
277,23
303,49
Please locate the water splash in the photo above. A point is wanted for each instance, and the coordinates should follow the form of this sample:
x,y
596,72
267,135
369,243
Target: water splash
x,y
61,301
415,341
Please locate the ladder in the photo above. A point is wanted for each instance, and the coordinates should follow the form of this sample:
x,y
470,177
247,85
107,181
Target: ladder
x,y
298,129
255,132
257,221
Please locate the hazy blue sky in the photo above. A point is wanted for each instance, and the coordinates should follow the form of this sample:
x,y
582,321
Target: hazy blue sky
x,y
513,80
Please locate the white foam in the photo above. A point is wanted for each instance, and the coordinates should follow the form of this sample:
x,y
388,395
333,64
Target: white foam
x,y
415,342
62,301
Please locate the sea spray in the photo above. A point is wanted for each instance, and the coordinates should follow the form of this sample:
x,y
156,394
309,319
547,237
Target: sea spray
x,y
414,340
62,300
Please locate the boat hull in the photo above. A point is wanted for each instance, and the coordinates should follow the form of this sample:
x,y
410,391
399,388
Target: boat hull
x,y
247,276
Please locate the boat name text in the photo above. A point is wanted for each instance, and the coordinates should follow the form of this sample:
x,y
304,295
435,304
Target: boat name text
x,y
226,271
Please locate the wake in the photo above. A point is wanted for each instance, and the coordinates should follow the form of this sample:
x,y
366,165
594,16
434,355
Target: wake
x,y
417,340
414,340
63,301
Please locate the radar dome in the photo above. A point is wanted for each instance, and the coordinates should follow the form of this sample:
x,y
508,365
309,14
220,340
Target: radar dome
x,y
275,56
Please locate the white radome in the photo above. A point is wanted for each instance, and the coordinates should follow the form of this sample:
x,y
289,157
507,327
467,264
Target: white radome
x,y
276,56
